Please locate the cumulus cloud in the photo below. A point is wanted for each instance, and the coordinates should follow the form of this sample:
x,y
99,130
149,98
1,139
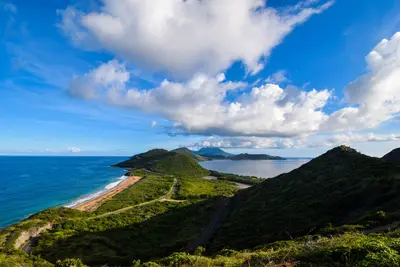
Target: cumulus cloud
x,y
186,37
249,142
283,143
199,106
375,96
278,77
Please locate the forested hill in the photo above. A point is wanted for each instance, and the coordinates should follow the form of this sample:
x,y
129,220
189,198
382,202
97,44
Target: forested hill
x,y
393,155
340,187
164,161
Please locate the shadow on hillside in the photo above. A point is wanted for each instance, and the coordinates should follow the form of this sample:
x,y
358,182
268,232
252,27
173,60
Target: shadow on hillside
x,y
153,238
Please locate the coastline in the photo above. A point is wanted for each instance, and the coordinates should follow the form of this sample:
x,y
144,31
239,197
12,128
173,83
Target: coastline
x,y
93,201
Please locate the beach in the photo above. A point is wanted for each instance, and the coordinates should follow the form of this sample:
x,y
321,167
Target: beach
x,y
94,203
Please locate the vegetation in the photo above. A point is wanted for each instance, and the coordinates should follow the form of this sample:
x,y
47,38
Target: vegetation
x,y
187,152
198,188
149,188
350,249
336,210
340,187
250,180
163,161
145,232
393,155
212,152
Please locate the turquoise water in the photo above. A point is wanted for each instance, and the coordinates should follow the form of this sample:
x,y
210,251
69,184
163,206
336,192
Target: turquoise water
x,y
259,168
31,184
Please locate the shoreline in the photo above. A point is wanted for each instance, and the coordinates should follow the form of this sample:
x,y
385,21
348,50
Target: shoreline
x,y
92,204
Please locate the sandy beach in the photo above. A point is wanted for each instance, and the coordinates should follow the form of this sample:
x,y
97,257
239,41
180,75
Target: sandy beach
x,y
93,204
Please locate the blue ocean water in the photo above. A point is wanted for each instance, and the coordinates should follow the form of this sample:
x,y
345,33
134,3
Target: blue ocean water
x,y
31,184
258,168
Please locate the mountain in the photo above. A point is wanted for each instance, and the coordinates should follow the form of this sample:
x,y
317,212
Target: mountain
x,y
339,187
393,155
212,152
187,152
246,156
164,161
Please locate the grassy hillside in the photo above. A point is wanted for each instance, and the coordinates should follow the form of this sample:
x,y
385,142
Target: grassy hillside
x,y
340,187
167,162
187,152
393,155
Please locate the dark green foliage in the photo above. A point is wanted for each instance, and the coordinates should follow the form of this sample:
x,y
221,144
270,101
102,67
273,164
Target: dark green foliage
x,y
198,188
212,152
393,155
168,228
149,188
58,214
180,165
70,263
162,161
19,258
187,152
251,180
339,187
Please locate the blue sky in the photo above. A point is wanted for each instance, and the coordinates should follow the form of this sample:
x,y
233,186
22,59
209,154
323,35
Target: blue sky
x,y
90,77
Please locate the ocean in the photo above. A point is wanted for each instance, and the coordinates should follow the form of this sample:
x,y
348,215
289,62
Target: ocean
x,y
31,184
259,168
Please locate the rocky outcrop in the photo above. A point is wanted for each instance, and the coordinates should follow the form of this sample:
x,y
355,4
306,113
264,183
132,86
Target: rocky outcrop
x,y
26,236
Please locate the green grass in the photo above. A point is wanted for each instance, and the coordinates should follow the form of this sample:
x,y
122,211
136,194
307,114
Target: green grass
x,y
145,232
350,249
250,180
147,189
199,188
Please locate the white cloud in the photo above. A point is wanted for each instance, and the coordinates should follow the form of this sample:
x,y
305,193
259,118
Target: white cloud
x,y
73,149
375,96
199,106
187,37
278,77
283,143
249,142
109,76
153,124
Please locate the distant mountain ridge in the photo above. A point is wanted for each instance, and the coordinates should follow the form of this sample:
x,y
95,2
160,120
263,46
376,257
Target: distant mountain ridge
x,y
246,156
212,152
187,152
218,153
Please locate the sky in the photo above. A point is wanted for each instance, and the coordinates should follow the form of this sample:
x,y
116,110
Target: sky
x,y
289,78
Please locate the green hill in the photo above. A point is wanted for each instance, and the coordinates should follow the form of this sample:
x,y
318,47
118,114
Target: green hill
x,y
393,155
246,156
212,152
187,152
163,161
340,187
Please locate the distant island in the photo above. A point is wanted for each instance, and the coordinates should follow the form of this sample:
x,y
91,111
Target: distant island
x,y
215,153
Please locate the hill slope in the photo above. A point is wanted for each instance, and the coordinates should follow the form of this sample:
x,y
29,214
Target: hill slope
x,y
187,152
340,187
163,161
393,155
212,152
